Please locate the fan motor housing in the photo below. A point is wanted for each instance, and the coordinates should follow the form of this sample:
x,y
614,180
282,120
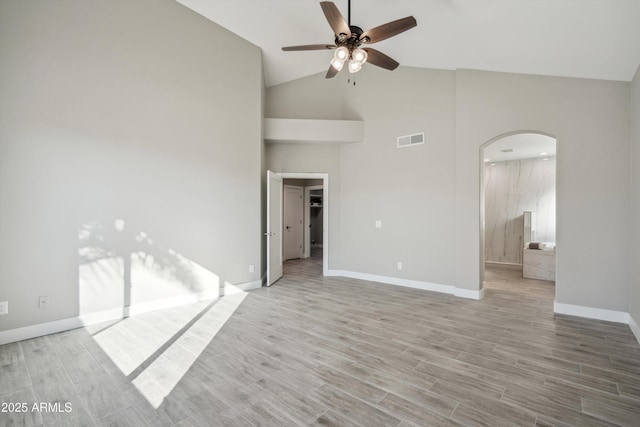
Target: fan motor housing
x,y
354,40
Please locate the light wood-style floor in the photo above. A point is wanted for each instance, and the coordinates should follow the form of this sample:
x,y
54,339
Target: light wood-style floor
x,y
332,351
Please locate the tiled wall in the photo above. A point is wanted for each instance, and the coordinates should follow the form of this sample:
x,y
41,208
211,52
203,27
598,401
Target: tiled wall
x,y
511,188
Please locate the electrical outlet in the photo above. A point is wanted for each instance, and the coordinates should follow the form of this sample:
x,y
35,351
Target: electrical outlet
x,y
399,265
43,302
4,307
252,268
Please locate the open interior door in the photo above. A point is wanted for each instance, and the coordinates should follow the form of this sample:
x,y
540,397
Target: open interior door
x,y
274,227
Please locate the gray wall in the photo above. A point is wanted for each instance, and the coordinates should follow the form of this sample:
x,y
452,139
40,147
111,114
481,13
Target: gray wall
x,y
411,190
124,176
312,97
634,274
428,196
590,119
511,188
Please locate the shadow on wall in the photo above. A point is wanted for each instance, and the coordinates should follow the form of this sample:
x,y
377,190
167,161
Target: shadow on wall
x,y
120,267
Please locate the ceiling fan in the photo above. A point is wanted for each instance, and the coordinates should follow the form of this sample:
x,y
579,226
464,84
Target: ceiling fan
x,y
349,38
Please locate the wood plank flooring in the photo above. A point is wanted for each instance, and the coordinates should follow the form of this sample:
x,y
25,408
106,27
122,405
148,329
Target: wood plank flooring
x,y
333,351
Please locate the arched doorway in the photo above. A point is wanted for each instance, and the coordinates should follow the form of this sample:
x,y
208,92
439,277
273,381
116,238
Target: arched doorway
x,y
518,205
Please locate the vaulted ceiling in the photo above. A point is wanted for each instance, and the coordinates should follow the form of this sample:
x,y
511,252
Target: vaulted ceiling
x,y
574,38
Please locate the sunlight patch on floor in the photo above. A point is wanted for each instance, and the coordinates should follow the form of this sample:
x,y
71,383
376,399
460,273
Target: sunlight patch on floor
x,y
156,350
158,380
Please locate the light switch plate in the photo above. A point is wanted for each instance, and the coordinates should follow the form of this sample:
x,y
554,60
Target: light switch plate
x,y
4,307
378,224
43,301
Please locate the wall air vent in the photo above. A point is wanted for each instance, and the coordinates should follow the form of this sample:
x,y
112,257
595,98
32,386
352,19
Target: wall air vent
x,y
410,140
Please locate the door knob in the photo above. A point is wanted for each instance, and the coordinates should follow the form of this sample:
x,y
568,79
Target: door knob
x,y
288,227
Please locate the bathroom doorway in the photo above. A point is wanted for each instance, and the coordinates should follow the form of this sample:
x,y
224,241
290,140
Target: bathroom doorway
x,y
518,209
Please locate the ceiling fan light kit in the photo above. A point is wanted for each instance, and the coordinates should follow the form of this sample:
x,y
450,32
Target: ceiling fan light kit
x,y
337,64
359,55
341,54
354,66
349,38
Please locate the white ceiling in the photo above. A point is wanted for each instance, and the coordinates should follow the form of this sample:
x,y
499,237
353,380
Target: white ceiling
x,y
522,146
575,38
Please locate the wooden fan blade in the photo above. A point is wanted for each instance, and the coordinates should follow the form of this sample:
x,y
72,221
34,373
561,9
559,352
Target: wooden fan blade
x,y
375,57
331,72
310,47
335,18
389,29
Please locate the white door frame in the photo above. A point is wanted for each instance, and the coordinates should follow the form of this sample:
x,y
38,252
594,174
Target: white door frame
x,y
325,211
307,217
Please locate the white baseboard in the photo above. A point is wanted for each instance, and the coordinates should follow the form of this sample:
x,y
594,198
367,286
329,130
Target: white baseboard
x,y
101,317
27,332
416,284
41,329
145,307
634,328
591,313
242,287
469,294
173,302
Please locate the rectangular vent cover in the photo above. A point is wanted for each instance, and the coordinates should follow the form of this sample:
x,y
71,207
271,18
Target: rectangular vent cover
x,y
410,140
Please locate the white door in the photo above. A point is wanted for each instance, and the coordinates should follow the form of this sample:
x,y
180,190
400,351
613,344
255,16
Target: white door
x,y
293,214
274,227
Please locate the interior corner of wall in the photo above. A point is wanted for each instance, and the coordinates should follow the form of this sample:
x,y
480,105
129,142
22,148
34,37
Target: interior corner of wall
x,y
635,327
